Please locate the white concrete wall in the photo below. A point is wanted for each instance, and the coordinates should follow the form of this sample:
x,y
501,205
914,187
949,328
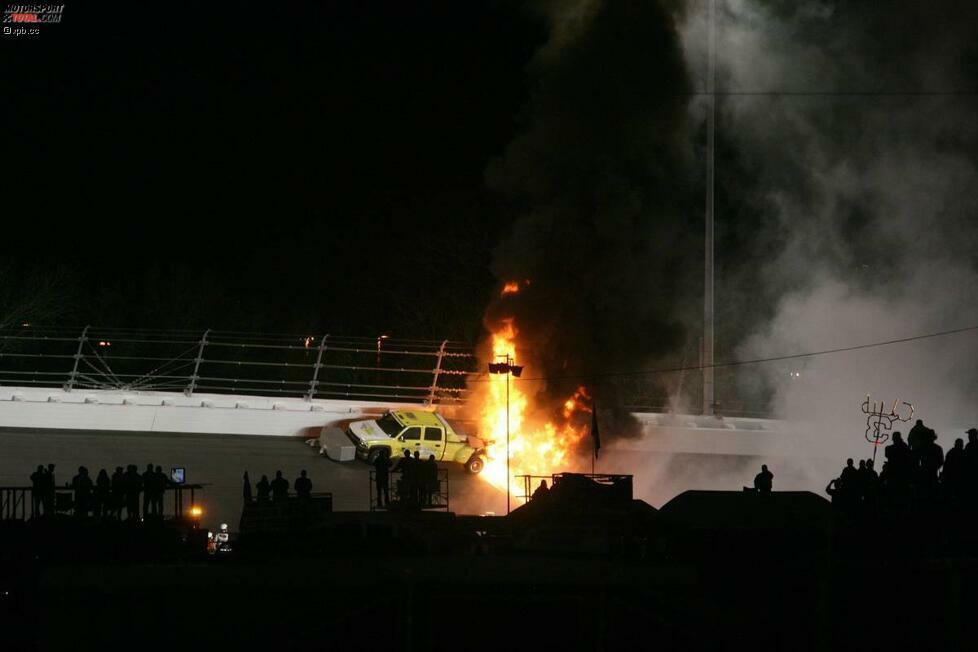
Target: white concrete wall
x,y
107,410
51,408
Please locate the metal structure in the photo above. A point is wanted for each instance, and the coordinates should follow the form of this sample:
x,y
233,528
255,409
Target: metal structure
x,y
711,112
879,422
621,481
508,368
17,504
212,361
439,499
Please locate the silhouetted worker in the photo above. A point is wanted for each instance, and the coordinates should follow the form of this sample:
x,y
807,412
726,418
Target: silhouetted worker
x,y
954,473
150,483
419,479
382,478
971,466
405,487
303,486
48,494
430,475
81,485
918,438
764,481
118,492
869,482
134,485
103,494
541,491
162,482
280,487
264,489
37,491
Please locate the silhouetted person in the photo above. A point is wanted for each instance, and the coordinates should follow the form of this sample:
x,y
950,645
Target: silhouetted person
x,y
246,489
150,484
133,484
954,473
406,486
931,461
264,489
118,492
419,480
430,475
764,481
81,485
382,478
869,483
303,486
971,466
103,494
48,493
541,491
832,489
280,488
37,491
162,482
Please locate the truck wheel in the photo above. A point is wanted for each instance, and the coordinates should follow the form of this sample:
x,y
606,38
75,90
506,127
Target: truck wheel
x,y
475,465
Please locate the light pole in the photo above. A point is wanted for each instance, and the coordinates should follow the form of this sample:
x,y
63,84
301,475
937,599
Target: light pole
x,y
507,368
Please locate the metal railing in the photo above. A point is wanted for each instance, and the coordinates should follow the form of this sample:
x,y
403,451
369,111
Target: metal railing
x,y
401,497
230,362
620,482
18,503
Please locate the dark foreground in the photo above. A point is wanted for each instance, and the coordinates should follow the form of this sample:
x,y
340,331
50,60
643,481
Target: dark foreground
x,y
710,571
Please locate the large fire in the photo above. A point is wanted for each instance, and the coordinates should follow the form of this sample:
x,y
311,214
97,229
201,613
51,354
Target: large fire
x,y
539,445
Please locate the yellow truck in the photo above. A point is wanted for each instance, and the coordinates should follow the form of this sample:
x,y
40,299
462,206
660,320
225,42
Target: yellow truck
x,y
416,430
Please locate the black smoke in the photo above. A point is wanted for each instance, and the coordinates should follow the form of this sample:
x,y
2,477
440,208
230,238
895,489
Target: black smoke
x,y
608,220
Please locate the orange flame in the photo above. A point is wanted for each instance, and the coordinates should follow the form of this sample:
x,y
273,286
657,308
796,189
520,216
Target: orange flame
x,y
539,445
510,288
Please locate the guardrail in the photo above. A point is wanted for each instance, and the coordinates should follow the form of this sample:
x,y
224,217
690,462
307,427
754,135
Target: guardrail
x,y
230,362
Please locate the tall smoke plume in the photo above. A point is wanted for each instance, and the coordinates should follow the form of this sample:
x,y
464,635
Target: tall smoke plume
x,y
599,183
847,207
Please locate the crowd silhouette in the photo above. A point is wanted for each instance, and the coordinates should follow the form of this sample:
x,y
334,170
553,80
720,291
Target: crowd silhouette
x,y
915,474
277,490
418,486
104,497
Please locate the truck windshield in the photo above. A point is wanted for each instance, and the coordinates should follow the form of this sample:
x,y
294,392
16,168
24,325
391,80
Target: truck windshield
x,y
389,425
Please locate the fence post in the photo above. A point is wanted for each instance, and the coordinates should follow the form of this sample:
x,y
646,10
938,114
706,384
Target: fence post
x,y
78,356
434,380
315,372
189,391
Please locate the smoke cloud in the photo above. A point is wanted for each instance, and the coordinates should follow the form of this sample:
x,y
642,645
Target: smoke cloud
x,y
598,181
846,208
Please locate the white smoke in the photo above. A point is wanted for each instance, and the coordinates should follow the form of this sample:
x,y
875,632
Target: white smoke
x,y
867,208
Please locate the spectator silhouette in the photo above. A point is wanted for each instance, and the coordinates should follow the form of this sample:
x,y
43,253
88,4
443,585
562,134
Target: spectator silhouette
x,y
133,484
264,489
430,480
916,439
118,492
382,467
764,481
103,494
37,491
162,482
280,488
954,473
419,480
48,493
971,465
405,487
303,486
931,461
150,483
81,485
540,492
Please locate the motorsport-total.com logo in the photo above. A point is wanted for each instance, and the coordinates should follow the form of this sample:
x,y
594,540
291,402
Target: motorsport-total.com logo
x,y
28,19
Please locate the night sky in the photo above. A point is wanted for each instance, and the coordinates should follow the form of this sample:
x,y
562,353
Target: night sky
x,y
318,167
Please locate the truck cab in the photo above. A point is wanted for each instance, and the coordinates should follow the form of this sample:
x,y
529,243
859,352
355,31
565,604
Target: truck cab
x,y
423,431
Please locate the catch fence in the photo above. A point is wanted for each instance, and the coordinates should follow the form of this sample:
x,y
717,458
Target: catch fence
x,y
230,362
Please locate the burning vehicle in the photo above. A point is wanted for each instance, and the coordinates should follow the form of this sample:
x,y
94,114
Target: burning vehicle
x,y
417,430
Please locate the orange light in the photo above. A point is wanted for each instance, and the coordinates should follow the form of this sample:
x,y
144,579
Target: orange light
x,y
510,288
196,511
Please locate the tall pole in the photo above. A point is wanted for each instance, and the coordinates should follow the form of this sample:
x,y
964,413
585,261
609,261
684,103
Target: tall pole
x,y
507,435
708,376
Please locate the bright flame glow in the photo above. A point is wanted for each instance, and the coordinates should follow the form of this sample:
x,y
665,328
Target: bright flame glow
x,y
196,511
511,288
537,446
